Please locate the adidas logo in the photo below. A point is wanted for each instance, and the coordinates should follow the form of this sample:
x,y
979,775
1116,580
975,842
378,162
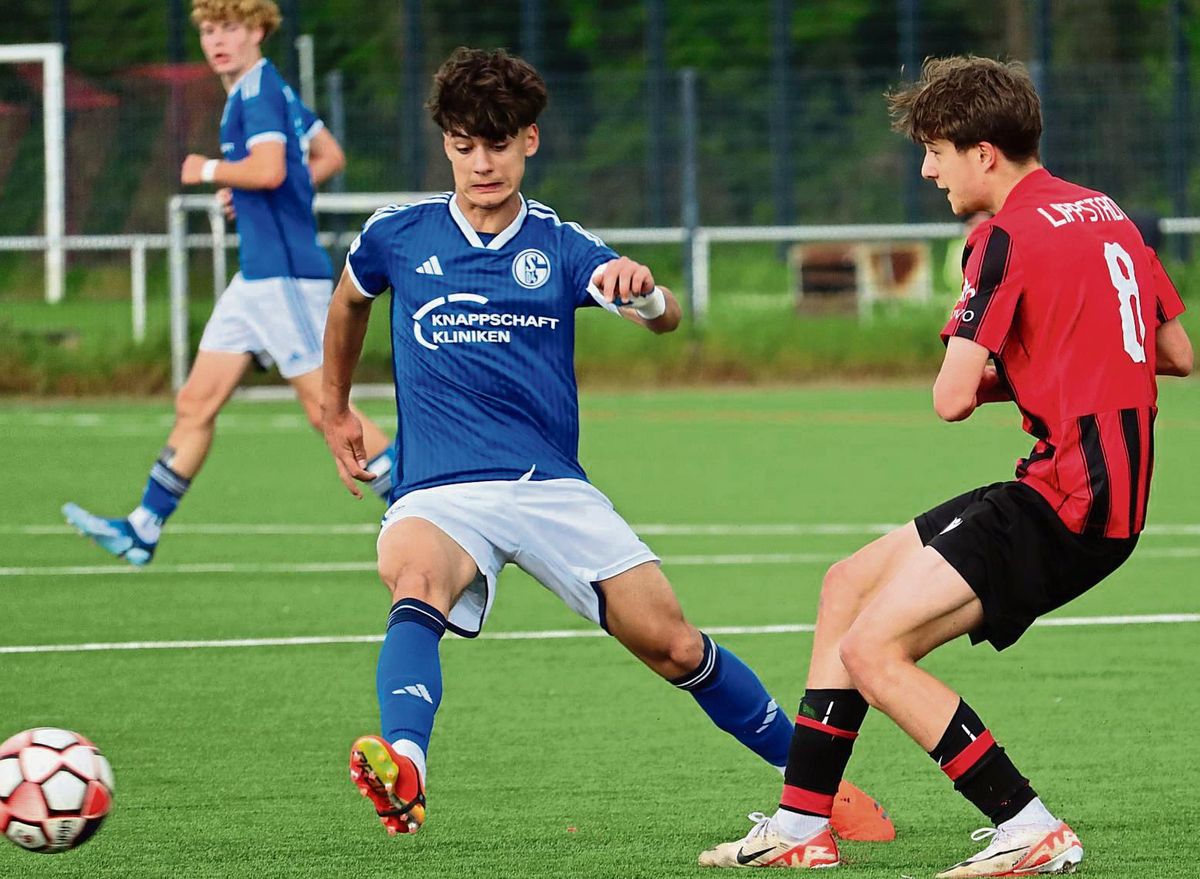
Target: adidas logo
x,y
417,690
772,710
431,266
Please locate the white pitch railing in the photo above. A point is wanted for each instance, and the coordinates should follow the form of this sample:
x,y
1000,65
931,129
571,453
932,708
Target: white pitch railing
x,y
178,241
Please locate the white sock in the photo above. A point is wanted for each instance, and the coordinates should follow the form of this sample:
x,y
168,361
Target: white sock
x,y
413,752
798,826
146,525
1035,814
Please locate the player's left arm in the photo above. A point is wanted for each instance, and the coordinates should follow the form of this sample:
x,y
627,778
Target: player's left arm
x,y
264,168
956,393
1173,349
325,156
630,286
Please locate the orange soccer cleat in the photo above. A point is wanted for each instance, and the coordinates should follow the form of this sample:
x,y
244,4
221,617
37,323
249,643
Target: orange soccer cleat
x,y
859,817
391,782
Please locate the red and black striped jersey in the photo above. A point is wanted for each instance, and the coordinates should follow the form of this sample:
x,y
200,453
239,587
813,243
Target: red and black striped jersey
x,y
1060,288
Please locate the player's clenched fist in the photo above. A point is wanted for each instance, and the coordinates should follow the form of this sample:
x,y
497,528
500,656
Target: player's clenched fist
x,y
344,436
192,171
621,279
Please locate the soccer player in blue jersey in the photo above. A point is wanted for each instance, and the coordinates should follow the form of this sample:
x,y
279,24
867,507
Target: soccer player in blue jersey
x,y
485,285
275,149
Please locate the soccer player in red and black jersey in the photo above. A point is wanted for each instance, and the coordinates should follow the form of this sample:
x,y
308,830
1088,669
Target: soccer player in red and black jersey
x,y
1077,317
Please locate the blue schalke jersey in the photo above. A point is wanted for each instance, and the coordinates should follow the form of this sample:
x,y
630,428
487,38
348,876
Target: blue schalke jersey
x,y
483,339
276,226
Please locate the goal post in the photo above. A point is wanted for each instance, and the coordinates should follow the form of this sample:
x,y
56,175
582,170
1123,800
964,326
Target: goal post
x,y
50,56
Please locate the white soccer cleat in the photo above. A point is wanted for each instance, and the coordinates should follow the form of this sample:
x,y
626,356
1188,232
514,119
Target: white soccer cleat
x,y
1021,851
765,847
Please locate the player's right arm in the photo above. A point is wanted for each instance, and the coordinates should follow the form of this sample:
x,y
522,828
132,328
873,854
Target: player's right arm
x,y
345,329
364,278
264,168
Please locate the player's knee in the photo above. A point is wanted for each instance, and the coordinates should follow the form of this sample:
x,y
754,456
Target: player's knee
x,y
841,589
407,581
869,662
676,652
194,407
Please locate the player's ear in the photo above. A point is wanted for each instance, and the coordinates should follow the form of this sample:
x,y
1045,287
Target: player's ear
x,y
988,155
532,140
257,35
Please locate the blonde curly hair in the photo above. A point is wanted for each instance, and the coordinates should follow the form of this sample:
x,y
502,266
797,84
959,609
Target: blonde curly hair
x,y
252,13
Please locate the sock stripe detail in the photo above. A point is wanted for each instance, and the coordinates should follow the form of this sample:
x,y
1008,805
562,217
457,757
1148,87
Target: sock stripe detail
x,y
969,756
797,799
416,611
704,671
802,720
169,480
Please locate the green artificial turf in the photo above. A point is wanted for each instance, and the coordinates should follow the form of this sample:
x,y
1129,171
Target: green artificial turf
x,y
560,757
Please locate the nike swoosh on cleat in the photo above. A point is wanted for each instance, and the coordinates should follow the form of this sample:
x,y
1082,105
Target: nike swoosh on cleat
x,y
744,859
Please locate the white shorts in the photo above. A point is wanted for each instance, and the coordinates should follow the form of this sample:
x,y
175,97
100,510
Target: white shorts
x,y
562,532
283,318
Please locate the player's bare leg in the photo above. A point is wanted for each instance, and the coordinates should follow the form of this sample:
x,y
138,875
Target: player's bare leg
x,y
425,572
213,378
815,796
643,613
375,442
926,605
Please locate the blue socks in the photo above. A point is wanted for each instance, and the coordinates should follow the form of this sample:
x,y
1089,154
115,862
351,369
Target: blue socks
x,y
164,489
733,696
409,678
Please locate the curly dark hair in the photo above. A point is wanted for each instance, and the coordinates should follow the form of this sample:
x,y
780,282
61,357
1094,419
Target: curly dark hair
x,y
969,100
486,94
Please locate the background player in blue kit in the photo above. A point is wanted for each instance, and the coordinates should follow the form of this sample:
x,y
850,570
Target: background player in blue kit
x,y
485,284
275,149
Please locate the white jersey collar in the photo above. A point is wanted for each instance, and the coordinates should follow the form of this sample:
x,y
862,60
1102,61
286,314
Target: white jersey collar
x,y
238,82
509,233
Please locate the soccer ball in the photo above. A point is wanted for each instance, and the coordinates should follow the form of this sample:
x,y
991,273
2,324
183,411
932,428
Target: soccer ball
x,y
55,789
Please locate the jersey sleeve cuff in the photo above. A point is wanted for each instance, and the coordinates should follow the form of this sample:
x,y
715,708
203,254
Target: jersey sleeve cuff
x,y
595,293
314,128
358,284
266,137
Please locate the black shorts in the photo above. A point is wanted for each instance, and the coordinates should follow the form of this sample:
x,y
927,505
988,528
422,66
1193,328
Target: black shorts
x,y
1017,555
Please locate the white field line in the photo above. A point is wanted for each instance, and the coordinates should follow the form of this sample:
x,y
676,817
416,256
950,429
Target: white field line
x,y
779,558
546,635
704,560
652,529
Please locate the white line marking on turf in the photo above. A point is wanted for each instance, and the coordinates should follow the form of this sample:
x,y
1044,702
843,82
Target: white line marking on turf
x,y
733,559
546,635
781,558
652,529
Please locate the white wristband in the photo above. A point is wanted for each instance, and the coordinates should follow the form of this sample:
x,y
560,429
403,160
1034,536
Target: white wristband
x,y
650,306
208,171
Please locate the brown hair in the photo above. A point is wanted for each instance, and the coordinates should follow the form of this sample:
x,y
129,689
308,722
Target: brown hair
x,y
968,100
252,13
486,94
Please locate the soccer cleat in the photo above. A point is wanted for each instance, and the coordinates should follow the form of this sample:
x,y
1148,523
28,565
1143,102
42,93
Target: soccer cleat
x,y
1021,851
114,536
858,816
391,782
765,847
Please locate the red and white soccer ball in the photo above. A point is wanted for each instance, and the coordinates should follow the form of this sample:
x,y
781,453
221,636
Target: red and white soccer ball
x,y
55,789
